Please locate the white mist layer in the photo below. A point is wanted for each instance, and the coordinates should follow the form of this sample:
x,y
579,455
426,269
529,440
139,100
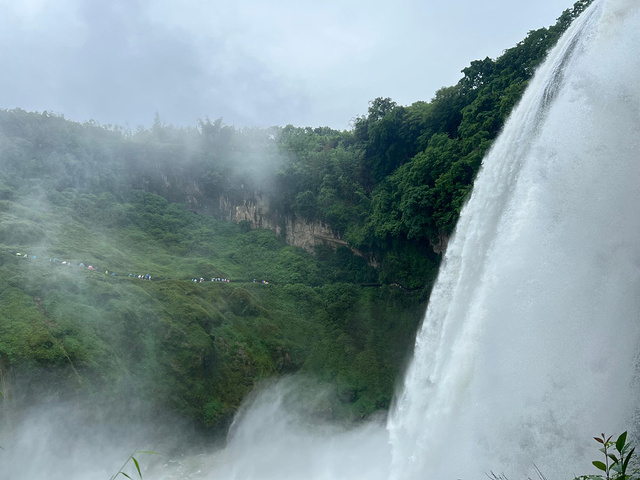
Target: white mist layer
x,y
279,433
83,441
528,346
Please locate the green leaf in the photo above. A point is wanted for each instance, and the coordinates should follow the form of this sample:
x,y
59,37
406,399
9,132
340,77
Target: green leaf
x,y
622,439
626,462
122,473
599,465
613,457
137,466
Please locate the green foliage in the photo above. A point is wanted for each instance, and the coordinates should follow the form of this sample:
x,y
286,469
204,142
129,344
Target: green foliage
x,y
618,456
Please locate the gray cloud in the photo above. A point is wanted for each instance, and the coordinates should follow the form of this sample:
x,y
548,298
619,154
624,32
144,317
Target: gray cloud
x,y
250,62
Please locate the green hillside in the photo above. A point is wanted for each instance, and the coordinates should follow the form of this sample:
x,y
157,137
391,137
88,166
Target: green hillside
x,y
196,347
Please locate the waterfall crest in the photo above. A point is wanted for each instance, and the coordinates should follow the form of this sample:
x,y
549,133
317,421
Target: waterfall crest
x,y
528,345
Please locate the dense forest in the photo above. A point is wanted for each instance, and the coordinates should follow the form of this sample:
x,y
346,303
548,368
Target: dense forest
x,y
147,201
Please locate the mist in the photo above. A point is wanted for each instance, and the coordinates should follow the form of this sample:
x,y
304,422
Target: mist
x,y
57,435
282,431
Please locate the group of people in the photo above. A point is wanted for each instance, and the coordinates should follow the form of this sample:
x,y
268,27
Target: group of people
x,y
145,276
216,279
51,260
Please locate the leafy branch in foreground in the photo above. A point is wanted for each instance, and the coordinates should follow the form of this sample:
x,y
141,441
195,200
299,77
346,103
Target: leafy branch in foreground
x,y
617,456
135,462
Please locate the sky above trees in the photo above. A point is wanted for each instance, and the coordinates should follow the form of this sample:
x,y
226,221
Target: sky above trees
x,y
250,62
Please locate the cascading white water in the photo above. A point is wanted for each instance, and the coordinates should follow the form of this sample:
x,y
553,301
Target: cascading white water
x,y
529,342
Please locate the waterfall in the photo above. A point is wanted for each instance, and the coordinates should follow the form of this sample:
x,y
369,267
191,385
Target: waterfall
x,y
529,343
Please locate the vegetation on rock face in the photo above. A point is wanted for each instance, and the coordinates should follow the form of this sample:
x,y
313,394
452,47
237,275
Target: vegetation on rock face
x,y
145,201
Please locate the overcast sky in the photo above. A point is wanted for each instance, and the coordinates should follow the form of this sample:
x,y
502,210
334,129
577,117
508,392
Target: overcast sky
x,y
251,62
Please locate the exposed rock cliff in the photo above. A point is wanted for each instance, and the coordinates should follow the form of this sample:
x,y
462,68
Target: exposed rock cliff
x,y
253,208
296,231
247,205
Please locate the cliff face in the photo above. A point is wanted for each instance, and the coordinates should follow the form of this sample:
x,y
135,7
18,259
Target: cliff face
x,y
253,207
296,231
247,204
441,245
